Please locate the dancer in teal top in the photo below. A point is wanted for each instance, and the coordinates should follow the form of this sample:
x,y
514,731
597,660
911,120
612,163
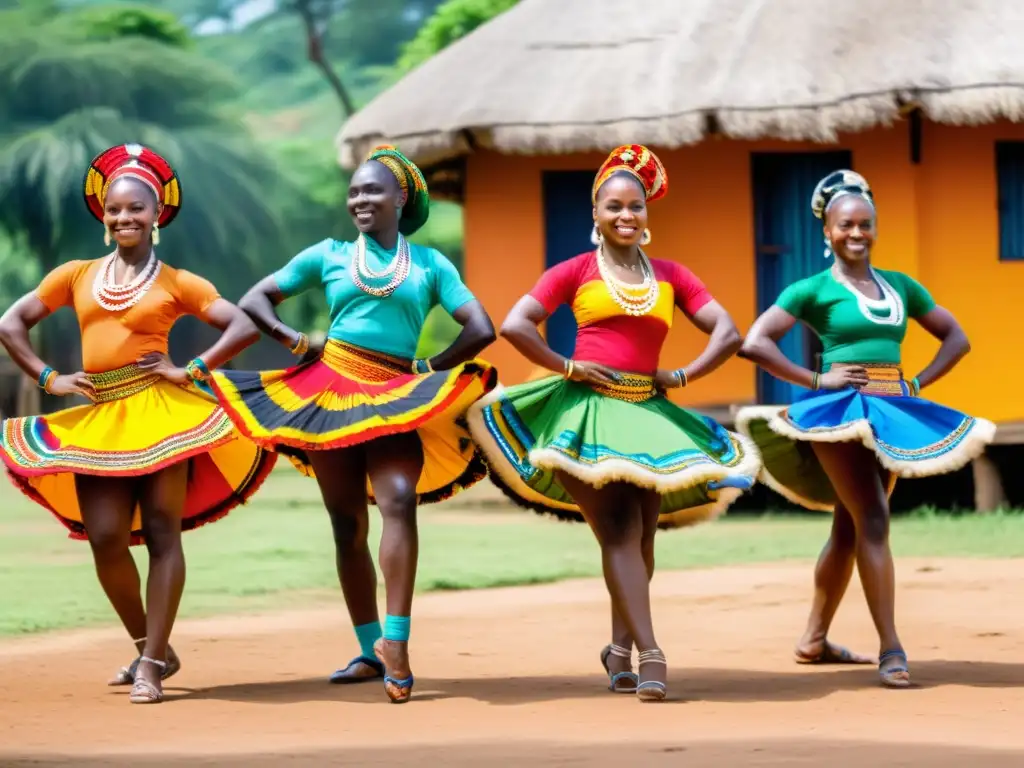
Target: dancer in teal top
x,y
842,446
362,319
370,422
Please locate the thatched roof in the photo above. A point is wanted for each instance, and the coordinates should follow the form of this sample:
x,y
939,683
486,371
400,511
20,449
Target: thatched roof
x,y
578,75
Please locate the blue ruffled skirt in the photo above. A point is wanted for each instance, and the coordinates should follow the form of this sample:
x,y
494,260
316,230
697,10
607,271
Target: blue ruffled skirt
x,y
910,436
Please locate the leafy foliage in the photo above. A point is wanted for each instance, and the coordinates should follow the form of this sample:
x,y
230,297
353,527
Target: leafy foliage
x,y
107,23
454,19
64,98
244,117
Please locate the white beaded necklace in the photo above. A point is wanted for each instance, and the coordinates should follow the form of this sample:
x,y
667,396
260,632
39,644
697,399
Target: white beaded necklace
x,y
398,268
116,298
623,293
891,305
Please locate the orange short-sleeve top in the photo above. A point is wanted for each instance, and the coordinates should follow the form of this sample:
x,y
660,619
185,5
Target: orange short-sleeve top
x,y
114,339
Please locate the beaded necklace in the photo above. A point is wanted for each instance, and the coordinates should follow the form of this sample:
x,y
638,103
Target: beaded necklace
x,y
625,294
398,268
115,298
890,303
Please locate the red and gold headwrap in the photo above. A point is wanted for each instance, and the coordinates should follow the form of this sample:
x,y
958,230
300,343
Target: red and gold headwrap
x,y
137,162
641,163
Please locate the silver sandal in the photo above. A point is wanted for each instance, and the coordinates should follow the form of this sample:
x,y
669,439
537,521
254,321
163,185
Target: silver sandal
x,y
143,691
126,675
651,690
628,675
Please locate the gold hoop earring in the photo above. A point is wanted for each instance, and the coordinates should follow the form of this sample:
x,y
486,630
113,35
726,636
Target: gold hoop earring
x,y
156,234
645,238
106,235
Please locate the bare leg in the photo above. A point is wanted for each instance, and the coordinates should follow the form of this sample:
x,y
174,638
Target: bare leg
x,y
853,472
162,500
621,637
831,578
107,506
394,465
615,514
341,476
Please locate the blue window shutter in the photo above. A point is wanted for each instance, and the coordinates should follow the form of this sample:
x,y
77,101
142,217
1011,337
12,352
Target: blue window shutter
x,y
1010,199
568,221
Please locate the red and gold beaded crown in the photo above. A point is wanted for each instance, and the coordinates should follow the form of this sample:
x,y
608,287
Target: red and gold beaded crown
x,y
639,161
140,163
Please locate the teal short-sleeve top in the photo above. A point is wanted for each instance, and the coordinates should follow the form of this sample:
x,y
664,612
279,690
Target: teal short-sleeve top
x,y
391,325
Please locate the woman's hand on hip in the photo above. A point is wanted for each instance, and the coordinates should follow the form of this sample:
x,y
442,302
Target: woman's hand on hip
x,y
73,384
160,364
854,376
665,380
593,373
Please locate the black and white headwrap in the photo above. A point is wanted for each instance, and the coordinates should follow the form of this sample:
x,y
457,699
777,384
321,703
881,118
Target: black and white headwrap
x,y
836,185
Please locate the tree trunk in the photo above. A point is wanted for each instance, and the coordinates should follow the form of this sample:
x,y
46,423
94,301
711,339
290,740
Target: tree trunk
x,y
315,52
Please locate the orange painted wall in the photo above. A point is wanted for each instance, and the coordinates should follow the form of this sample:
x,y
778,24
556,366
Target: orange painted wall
x,y
937,222
960,264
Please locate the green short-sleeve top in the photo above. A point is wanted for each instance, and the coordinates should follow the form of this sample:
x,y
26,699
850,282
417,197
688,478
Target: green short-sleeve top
x,y
853,328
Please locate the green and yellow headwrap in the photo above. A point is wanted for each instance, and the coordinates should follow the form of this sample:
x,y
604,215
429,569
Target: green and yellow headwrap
x,y
410,179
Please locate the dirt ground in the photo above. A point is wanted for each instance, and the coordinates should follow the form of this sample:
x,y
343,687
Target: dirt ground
x,y
511,677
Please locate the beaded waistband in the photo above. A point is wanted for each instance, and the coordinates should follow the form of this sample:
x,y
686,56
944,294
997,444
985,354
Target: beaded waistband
x,y
633,388
121,383
883,378
363,364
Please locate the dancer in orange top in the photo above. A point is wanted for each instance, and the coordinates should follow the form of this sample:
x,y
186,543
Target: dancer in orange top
x,y
153,454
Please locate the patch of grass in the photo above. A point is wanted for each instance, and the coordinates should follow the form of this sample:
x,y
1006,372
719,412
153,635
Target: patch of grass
x,y
277,552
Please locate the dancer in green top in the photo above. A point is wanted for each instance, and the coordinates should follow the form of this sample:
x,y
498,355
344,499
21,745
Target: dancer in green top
x,y
842,445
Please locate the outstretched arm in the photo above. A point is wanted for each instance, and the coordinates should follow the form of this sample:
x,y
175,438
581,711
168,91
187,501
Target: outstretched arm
x,y
941,324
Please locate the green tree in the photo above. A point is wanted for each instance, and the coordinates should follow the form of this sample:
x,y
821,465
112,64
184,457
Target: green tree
x,y
64,98
453,20
107,23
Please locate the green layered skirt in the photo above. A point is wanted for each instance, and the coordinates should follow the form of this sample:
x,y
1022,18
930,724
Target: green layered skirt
x,y
627,433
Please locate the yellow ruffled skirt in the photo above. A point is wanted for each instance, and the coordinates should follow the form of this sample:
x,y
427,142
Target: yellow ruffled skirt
x,y
139,424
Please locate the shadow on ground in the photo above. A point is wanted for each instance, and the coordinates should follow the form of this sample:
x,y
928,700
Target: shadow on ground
x,y
686,685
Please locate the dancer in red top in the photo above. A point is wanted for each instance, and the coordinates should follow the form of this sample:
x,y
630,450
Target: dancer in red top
x,y
601,443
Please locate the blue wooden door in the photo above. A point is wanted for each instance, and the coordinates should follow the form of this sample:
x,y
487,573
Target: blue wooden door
x,y
568,221
790,246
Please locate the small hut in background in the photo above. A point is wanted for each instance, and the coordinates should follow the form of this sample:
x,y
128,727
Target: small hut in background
x,y
748,103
